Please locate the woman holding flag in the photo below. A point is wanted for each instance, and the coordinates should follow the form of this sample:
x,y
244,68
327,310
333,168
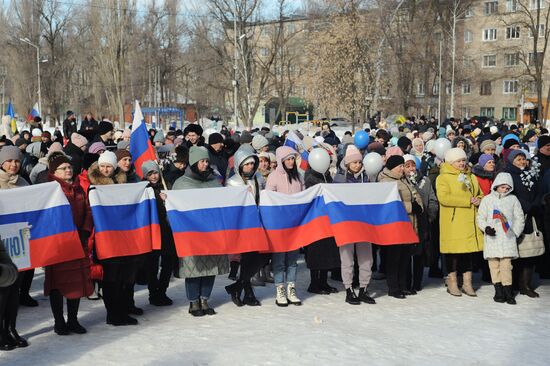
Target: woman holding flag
x,y
285,179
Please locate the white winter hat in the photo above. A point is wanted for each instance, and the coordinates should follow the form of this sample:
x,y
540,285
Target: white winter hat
x,y
108,157
409,157
36,132
493,129
455,154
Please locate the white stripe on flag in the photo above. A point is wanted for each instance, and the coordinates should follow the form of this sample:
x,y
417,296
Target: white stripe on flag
x,y
361,193
120,194
197,199
50,195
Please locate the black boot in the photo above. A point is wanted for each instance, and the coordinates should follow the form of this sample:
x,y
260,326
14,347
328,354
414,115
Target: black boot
x,y
20,342
351,297
525,282
509,294
195,308
56,303
499,293
235,291
365,297
72,316
323,282
315,285
234,268
25,298
206,309
7,343
249,297
159,298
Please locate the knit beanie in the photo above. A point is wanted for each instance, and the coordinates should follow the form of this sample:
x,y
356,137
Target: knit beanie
x,y
509,143
121,154
487,144
215,138
514,154
10,153
123,145
149,166
484,159
543,141
78,140
56,159
36,132
159,137
96,147
352,154
104,127
108,157
454,154
394,161
394,150
197,153
56,146
493,130
246,137
258,142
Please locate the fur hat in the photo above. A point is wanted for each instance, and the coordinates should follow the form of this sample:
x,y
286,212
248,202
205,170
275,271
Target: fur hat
x,y
455,154
108,157
193,127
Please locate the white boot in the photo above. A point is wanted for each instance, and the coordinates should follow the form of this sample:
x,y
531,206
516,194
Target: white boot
x,y
281,299
291,295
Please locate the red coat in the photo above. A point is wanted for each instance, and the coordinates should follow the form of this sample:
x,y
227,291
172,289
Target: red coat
x,y
72,278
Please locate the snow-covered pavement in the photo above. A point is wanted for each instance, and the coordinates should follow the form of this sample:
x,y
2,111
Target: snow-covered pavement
x,y
431,328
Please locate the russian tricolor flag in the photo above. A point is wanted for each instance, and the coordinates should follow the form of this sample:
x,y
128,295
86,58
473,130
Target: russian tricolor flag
x,y
214,221
45,210
295,142
140,145
34,112
125,219
351,213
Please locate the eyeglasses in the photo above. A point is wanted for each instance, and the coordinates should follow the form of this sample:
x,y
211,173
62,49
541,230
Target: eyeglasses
x,y
68,167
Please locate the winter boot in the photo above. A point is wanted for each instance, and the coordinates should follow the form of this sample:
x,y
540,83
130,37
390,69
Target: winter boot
x,y
249,297
268,276
256,280
509,294
234,268
525,283
206,309
323,282
159,298
7,343
27,300
315,284
235,291
452,285
467,287
72,312
351,297
499,293
365,297
195,308
291,294
281,299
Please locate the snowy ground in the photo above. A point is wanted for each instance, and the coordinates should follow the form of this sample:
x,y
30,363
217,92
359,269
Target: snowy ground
x,y
431,328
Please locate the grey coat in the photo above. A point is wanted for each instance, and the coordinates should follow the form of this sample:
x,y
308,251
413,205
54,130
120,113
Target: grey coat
x,y
200,265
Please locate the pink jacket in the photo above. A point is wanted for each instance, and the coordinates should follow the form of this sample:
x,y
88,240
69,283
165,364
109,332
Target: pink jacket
x,y
278,179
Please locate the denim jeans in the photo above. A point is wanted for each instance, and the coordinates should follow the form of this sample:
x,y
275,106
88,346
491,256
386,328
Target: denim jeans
x,y
199,287
285,263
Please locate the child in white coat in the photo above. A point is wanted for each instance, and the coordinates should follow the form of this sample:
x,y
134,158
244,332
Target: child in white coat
x,y
501,218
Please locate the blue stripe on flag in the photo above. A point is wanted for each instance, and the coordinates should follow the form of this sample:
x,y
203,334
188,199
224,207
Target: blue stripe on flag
x,y
289,216
139,142
215,219
46,222
373,214
125,217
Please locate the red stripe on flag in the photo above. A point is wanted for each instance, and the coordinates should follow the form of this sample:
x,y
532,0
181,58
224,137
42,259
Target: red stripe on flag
x,y
355,232
110,244
149,154
55,249
220,242
286,240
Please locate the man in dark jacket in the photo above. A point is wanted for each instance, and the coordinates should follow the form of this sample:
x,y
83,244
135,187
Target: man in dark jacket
x,y
88,127
69,125
218,159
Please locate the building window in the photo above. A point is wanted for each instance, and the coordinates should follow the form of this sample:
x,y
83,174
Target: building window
x,y
468,36
465,112
489,61
420,89
536,4
466,62
435,88
490,7
469,12
304,91
448,88
541,31
485,88
490,34
510,87
511,59
511,6
466,87
512,32
487,111
509,113
532,58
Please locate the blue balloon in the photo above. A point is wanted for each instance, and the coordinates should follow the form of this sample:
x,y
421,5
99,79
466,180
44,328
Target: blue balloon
x,y
417,162
361,139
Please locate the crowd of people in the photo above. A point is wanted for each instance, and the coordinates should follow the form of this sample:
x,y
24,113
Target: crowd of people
x,y
482,205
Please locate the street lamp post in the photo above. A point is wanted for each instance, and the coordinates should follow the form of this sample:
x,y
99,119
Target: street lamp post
x,y
27,41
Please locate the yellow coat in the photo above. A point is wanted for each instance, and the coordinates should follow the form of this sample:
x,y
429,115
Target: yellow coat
x,y
457,216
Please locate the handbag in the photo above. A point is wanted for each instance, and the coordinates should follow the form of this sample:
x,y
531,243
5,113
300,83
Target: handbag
x,y
531,245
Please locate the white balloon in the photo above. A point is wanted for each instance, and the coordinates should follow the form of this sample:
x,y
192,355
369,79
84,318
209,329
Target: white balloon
x,y
319,160
441,146
373,163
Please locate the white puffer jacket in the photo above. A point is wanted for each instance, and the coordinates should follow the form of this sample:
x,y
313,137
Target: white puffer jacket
x,y
503,245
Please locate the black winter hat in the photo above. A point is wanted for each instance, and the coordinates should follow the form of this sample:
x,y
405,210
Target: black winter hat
x,y
393,161
543,141
215,138
193,127
88,159
246,137
528,135
509,143
104,127
182,154
69,113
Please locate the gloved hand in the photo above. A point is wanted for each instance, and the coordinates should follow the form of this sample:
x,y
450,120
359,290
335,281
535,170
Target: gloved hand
x,y
490,231
416,208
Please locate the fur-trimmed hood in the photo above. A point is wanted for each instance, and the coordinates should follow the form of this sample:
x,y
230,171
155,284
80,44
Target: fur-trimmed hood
x,y
97,179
